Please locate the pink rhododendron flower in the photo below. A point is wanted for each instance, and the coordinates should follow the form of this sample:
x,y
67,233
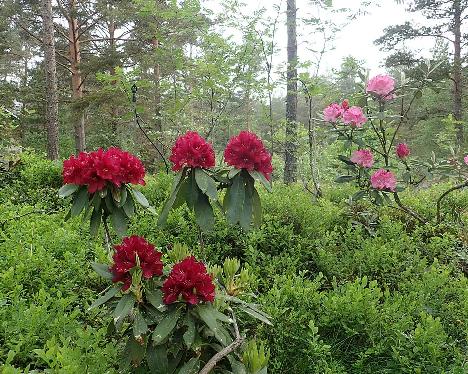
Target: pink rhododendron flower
x,y
382,85
402,150
354,117
383,180
332,112
466,159
363,157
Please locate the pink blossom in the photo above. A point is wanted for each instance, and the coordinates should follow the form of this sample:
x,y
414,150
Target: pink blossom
x,y
466,159
402,150
354,117
363,157
383,180
382,85
332,112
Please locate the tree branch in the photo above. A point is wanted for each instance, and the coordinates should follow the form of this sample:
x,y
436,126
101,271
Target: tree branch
x,y
445,194
408,210
224,352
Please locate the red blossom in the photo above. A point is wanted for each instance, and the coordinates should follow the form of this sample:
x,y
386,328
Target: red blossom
x,y
246,151
191,150
125,259
190,281
402,150
96,169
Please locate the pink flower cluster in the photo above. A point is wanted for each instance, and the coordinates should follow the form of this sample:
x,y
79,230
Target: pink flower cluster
x,y
97,169
466,159
363,157
382,86
383,180
352,116
191,150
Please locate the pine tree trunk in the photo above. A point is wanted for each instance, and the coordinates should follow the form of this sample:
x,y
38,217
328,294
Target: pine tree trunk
x,y
457,73
50,67
290,160
76,81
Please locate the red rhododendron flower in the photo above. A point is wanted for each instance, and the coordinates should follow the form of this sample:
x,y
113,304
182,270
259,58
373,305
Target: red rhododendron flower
x,y
363,157
345,105
402,150
246,151
96,169
190,281
383,180
125,259
191,150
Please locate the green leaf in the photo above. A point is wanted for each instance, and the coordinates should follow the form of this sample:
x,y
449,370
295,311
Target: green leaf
x,y
129,206
255,314
261,178
124,306
189,335
95,221
178,181
134,351
165,327
67,190
104,298
247,208
210,316
80,201
359,195
345,159
233,172
345,178
141,199
206,184
140,326
190,367
102,270
204,215
119,221
157,359
123,195
155,297
234,199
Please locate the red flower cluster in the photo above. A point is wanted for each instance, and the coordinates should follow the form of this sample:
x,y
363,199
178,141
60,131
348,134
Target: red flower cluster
x,y
246,151
125,259
191,150
190,280
95,169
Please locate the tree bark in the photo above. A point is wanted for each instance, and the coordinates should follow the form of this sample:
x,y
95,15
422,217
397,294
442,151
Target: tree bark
x,y
290,159
157,88
457,73
77,80
50,67
113,109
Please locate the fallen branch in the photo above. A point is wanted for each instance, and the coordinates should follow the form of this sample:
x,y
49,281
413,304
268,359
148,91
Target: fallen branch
x,y
224,352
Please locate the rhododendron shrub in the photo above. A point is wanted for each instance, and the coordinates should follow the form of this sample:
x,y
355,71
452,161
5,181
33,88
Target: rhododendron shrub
x,y
175,312
380,166
197,181
100,184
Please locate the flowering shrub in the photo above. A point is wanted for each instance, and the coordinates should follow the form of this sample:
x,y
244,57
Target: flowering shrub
x,y
189,281
376,147
197,183
99,183
181,317
191,150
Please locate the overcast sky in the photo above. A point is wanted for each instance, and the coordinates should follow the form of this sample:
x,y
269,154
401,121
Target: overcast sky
x,y
355,39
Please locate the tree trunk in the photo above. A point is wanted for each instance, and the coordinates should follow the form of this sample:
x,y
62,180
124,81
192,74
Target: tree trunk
x,y
51,81
113,109
457,73
290,160
157,88
76,81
